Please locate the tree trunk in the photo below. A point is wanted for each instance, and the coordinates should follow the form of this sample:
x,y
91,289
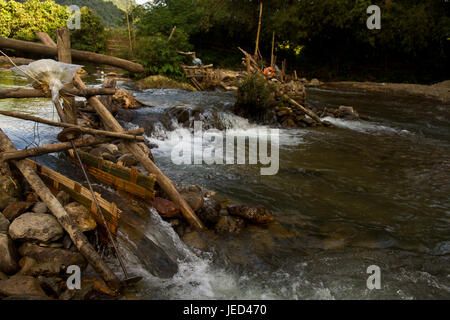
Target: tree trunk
x,y
39,151
128,135
41,49
36,93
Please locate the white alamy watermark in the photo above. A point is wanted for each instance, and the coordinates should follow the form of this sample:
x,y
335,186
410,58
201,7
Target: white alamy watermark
x,y
74,20
74,280
230,147
374,21
374,280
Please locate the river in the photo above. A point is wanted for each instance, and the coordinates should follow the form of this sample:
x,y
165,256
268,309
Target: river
x,y
361,194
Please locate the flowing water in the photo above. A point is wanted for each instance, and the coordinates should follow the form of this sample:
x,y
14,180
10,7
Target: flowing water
x,y
361,194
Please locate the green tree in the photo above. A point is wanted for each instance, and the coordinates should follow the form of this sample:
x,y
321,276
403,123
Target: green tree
x,y
91,36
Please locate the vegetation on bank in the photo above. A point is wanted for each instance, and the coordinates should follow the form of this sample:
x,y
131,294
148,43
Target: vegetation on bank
x,y
324,39
23,20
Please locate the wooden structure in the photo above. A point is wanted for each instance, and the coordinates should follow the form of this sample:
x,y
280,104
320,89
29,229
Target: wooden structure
x,y
57,182
119,177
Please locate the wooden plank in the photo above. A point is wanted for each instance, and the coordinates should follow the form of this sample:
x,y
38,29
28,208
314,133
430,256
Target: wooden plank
x,y
133,176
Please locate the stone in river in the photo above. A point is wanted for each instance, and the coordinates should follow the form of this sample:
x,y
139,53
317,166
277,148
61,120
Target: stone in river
x,y
40,207
4,224
166,209
229,224
38,227
257,215
194,199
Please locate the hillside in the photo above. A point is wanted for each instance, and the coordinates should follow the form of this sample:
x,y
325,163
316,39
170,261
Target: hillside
x,y
109,12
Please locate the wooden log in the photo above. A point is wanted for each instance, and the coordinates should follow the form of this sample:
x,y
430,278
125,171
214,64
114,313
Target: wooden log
x,y
164,182
37,93
127,135
55,207
79,55
272,57
64,55
39,151
119,177
17,61
45,39
305,110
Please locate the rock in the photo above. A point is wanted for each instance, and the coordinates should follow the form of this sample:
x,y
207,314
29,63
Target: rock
x,y
128,160
161,82
257,215
53,287
194,199
210,212
39,227
3,276
229,224
166,209
15,209
347,113
81,216
126,100
48,261
8,262
63,198
308,121
9,191
193,240
4,224
40,207
314,83
21,286
30,267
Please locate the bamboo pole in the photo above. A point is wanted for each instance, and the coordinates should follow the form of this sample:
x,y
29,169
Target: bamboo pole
x,y
127,135
51,148
129,30
172,32
272,57
164,182
45,50
259,28
55,207
37,93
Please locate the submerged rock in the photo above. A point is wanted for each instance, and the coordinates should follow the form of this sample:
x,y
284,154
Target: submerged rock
x,y
257,215
194,240
21,286
8,263
81,216
39,227
230,224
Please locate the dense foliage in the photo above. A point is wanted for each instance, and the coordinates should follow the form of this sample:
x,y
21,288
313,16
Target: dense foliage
x,y
91,36
325,38
23,20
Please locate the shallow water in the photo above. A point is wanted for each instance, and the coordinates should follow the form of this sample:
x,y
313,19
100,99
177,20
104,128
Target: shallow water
x,y
361,194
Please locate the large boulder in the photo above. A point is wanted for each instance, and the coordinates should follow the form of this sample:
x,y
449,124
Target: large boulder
x,y
36,227
81,216
4,224
8,261
9,191
229,224
21,286
257,215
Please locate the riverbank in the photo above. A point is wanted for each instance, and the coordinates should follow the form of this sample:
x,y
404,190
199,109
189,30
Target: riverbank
x,y
439,91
